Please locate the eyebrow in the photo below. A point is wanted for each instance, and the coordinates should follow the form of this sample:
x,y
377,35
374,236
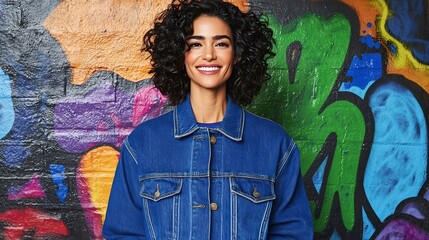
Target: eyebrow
x,y
216,37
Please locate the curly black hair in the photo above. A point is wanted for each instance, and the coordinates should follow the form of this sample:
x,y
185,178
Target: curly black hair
x,y
166,43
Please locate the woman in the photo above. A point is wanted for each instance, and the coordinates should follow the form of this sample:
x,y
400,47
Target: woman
x,y
208,169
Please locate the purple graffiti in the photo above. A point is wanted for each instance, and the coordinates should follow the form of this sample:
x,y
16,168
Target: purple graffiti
x,y
402,229
104,115
413,209
408,221
32,189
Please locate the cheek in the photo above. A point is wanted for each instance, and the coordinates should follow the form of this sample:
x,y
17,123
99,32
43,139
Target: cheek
x,y
190,58
231,58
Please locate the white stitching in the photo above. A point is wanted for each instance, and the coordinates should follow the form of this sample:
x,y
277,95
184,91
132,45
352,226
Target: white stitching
x,y
285,158
130,150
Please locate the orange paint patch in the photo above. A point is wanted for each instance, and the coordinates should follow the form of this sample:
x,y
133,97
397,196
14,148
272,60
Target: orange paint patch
x,y
94,178
106,35
241,4
367,12
417,75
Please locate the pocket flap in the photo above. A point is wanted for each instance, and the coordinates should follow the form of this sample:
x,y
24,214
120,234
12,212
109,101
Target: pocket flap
x,y
157,189
255,190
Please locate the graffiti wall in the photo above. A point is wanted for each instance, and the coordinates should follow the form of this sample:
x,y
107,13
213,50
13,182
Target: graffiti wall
x,y
350,83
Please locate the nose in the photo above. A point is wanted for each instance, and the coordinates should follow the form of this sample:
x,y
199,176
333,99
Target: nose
x,y
209,53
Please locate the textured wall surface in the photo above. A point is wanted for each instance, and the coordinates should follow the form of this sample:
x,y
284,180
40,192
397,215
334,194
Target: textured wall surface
x,y
350,84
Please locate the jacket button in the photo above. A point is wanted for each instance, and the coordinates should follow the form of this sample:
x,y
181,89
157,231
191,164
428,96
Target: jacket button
x,y
156,194
212,139
256,194
213,206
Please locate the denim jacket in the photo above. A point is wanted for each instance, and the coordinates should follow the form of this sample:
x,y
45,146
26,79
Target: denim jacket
x,y
177,180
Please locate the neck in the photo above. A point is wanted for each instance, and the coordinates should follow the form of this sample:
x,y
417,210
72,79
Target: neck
x,y
208,107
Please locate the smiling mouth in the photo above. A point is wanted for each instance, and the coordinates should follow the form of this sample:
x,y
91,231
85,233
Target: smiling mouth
x,y
208,69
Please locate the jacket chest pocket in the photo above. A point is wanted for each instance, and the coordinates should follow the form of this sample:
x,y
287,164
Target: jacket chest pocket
x,y
251,202
161,201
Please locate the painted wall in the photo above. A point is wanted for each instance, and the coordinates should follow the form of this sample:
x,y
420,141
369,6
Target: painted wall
x,y
350,84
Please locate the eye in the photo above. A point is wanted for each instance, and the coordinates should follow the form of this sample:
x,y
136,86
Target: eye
x,y
223,44
194,45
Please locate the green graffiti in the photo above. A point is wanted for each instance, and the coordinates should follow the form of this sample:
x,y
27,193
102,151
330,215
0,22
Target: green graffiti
x,y
310,53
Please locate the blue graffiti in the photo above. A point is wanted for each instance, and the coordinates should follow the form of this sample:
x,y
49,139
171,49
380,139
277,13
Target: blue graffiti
x,y
7,113
370,42
409,25
318,175
58,177
368,227
396,167
363,71
32,114
393,48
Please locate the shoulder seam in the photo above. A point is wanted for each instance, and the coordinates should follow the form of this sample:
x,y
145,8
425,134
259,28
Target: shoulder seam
x,y
285,158
130,150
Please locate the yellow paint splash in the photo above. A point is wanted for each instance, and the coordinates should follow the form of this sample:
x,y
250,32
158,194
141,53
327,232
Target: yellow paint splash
x,y
98,167
403,62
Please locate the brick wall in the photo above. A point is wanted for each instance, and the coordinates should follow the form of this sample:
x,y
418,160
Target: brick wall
x,y
349,83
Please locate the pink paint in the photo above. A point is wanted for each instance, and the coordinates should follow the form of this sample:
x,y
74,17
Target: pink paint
x,y
148,103
116,120
102,126
32,189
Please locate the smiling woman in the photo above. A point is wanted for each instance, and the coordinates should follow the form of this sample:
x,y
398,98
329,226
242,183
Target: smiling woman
x,y
209,60
167,41
201,177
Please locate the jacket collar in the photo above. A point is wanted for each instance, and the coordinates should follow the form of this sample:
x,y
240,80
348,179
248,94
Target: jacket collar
x,y
231,126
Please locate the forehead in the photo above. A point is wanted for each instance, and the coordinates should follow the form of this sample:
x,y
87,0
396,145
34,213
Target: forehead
x,y
210,26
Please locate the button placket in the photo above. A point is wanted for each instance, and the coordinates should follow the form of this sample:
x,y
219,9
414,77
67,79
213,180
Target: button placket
x,y
200,160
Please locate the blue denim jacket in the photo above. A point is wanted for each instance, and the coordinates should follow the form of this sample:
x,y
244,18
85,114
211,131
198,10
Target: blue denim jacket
x,y
177,180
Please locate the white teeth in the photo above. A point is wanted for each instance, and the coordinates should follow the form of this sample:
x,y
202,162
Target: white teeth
x,y
208,69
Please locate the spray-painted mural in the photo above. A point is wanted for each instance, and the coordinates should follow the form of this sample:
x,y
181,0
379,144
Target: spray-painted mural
x,y
350,84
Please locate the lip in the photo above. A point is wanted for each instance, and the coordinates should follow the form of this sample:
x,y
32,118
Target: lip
x,y
209,69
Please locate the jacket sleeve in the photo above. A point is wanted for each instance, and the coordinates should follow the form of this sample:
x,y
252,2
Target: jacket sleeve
x,y
290,216
124,216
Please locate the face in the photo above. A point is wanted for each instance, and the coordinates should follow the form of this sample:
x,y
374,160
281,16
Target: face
x,y
210,57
